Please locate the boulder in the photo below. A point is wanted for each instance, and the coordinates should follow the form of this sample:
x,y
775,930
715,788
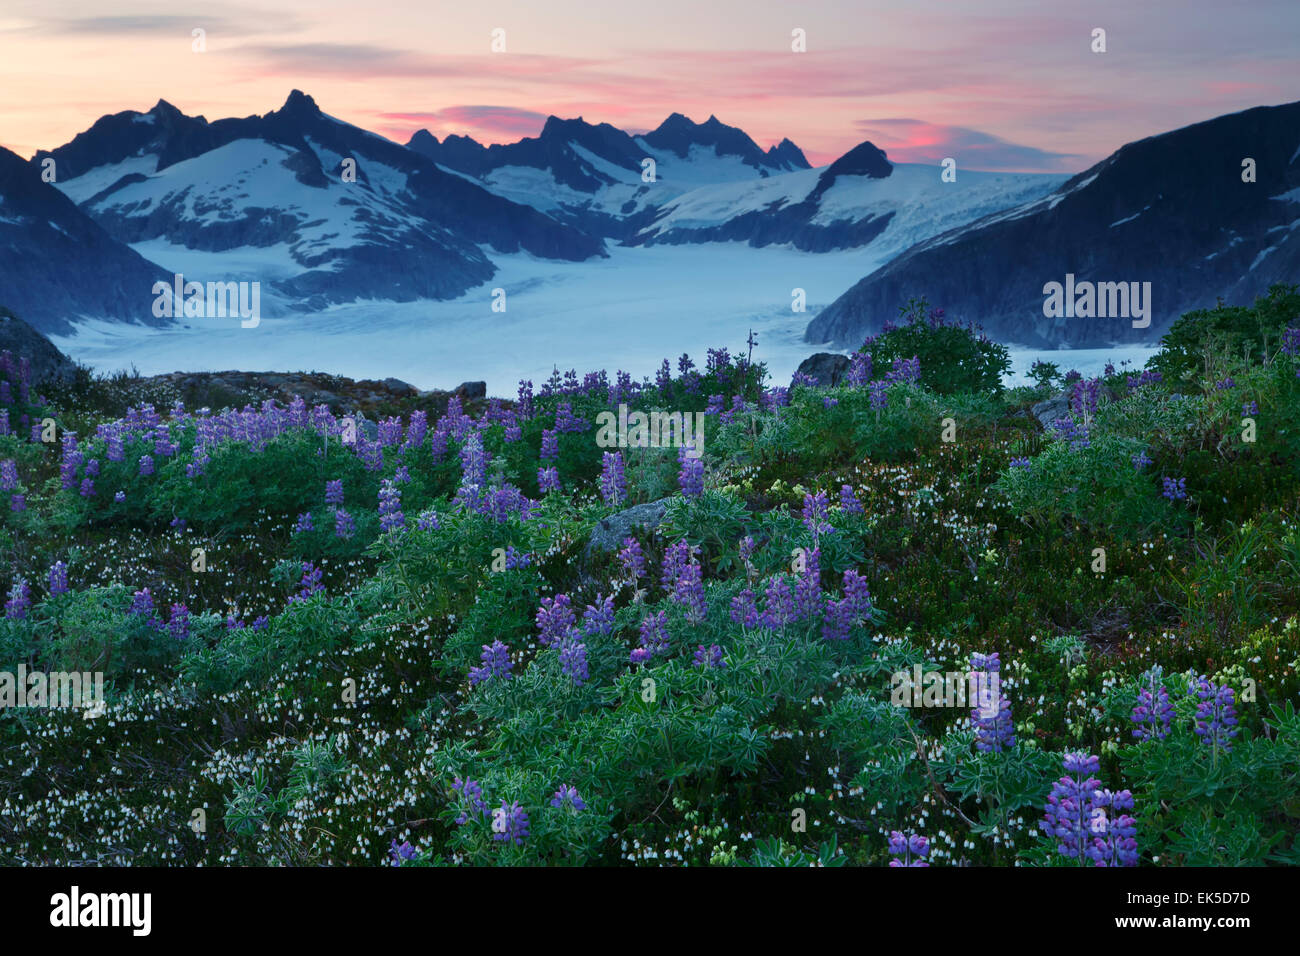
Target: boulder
x,y
472,389
827,368
609,532
48,364
1058,406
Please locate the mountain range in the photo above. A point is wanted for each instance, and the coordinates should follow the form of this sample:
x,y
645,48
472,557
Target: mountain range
x,y
322,213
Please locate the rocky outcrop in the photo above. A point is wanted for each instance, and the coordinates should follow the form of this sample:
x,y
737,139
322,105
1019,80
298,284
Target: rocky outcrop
x,y
48,364
827,368
609,532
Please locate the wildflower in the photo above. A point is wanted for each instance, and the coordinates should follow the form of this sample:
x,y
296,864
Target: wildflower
x,y
18,502
1140,461
779,603
58,579
709,657
1175,489
548,480
907,371
879,394
472,793
808,589
849,502
1224,384
146,466
1113,841
8,475
909,850
613,483
688,591
573,660
554,619
653,635
632,558
427,520
1153,713
815,510
310,584
1249,408
1216,716
510,823
304,523
401,853
88,487
119,496
514,559
20,600
568,796
142,606
859,369
550,445
390,506
598,619
994,733
496,663
1068,814
178,625
345,526
744,609
691,476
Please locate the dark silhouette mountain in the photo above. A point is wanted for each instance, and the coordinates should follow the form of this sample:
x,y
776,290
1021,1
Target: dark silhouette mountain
x,y
57,264
678,135
1172,210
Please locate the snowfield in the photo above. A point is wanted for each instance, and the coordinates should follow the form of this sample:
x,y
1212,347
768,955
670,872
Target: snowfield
x,y
629,311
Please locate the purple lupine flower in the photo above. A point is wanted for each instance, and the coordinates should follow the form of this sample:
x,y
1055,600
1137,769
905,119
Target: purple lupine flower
x,y
524,405
745,550
744,609
573,660
310,584
676,557
88,487
566,421
808,589
654,637
146,466
18,502
428,520
905,370
510,823
334,493
178,523
8,475
514,432
496,663
1175,489
598,618
554,619
994,733
775,397
515,560
58,579
119,496
632,558
20,600
548,480
390,506
568,796
472,793
715,405
1109,370
849,502
400,853
401,476
779,603
908,850
1291,341
550,445
1068,815
178,625
92,467
1140,461
709,657
1114,840
1224,384
691,475
829,402
1083,398
1067,429
1153,713
688,591
1216,716
1249,408
304,523
816,508
613,482
803,379
860,369
879,394
345,526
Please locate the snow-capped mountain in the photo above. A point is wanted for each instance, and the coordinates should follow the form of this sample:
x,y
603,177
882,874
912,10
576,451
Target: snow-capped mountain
x,y
1174,210
598,177
57,264
323,211
859,200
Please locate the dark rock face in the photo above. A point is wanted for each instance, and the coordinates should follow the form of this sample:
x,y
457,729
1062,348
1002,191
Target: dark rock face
x,y
609,533
48,364
57,264
826,367
1058,406
1171,210
677,134
472,389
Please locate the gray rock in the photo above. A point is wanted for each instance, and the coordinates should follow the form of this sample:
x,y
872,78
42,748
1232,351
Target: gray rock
x,y
1058,406
47,362
609,533
826,367
398,387
472,389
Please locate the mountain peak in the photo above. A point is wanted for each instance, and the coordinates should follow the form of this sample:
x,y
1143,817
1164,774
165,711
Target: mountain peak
x,y
299,103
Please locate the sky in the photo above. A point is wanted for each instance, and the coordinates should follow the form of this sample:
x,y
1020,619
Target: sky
x,y
1003,84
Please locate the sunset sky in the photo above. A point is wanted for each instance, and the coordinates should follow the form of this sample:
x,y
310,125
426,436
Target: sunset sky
x,y
1002,84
